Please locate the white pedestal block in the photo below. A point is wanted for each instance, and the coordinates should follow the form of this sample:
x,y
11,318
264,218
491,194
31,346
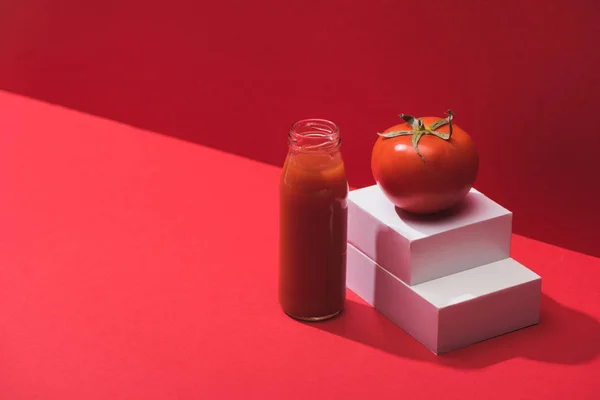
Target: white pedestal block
x,y
453,311
419,249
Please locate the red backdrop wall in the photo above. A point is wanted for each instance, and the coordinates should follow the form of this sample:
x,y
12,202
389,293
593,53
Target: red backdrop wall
x,y
521,76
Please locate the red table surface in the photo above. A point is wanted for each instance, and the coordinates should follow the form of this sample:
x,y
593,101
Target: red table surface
x,y
138,266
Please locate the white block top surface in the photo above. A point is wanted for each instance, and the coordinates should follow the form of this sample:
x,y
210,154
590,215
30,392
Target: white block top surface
x,y
475,208
474,283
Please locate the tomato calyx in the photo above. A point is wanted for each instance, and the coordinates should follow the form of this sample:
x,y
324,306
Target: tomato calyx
x,y
419,129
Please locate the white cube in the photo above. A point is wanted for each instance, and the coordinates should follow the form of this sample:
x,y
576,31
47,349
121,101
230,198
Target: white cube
x,y
454,311
418,249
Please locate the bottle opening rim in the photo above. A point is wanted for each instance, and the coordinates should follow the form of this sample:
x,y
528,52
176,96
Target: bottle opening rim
x,y
314,134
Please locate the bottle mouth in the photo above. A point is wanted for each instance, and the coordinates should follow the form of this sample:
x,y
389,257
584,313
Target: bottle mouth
x,y
314,134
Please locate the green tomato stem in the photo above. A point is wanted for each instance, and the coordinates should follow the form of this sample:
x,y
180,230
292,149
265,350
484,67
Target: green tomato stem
x,y
419,130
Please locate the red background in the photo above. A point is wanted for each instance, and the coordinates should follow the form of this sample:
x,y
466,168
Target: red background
x,y
520,75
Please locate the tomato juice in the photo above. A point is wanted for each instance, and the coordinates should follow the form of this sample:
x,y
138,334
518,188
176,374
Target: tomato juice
x,y
313,223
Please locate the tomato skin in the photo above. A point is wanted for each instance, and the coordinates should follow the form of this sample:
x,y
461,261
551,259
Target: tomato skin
x,y
430,186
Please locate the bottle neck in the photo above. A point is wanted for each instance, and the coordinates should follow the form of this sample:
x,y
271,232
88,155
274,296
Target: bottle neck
x,y
314,136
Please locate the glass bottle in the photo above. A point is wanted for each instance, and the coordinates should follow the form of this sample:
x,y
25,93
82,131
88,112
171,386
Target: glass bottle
x,y
313,222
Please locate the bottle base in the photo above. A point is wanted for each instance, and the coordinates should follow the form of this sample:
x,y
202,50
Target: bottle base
x,y
315,319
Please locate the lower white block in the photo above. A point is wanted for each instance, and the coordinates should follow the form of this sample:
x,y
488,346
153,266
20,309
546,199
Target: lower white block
x,y
453,311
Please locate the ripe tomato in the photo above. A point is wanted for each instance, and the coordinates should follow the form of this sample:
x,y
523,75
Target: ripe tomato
x,y
433,181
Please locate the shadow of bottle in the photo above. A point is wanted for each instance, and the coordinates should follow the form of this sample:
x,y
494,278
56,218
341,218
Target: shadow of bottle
x,y
563,336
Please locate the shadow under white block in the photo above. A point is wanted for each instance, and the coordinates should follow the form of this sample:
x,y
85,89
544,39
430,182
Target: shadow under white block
x,y
454,311
418,249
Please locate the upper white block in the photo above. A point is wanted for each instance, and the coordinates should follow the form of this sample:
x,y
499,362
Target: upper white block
x,y
417,249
